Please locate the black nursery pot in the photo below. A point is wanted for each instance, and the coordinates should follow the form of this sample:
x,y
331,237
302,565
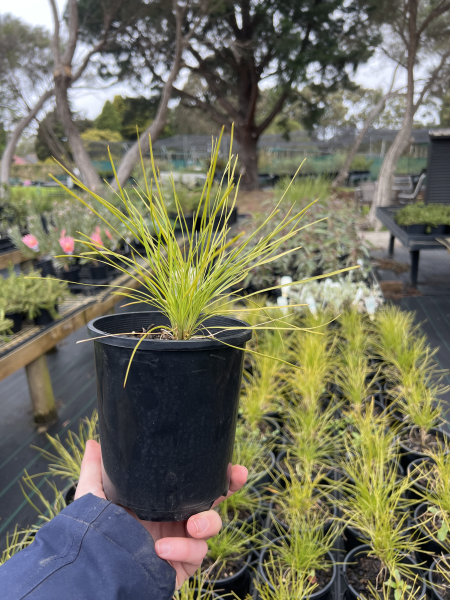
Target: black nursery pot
x,y
72,274
409,455
439,230
98,272
45,318
430,547
415,229
436,593
362,551
167,436
322,594
17,319
45,266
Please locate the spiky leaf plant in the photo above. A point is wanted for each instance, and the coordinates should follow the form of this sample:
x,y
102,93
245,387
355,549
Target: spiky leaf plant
x,y
304,550
374,503
185,282
15,543
313,443
66,463
239,506
285,584
421,407
293,499
49,509
355,330
194,588
251,453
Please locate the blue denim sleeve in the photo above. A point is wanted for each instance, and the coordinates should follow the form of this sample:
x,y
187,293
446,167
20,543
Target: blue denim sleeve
x,y
93,550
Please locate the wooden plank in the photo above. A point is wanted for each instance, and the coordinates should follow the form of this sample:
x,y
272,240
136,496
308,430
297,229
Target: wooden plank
x,y
15,257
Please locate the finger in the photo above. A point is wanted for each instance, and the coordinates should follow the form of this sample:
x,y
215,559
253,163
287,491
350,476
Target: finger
x,y
91,472
238,479
204,525
191,552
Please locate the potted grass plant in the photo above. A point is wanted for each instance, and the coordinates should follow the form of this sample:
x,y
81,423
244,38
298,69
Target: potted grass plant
x,y
244,505
304,552
227,561
173,375
6,326
259,458
45,294
14,299
439,578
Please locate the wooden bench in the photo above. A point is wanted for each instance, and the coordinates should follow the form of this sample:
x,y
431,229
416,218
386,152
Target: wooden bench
x,y
28,347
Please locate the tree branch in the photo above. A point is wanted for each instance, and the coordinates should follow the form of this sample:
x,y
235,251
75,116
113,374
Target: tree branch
x,y
73,35
434,14
273,113
55,38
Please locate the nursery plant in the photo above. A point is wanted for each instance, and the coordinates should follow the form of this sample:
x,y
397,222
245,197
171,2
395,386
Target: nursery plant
x,y
251,453
191,357
240,506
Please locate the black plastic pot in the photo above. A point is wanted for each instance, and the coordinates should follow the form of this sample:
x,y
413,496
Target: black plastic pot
x,y
417,490
408,455
238,584
45,266
323,594
430,548
98,272
45,318
435,591
362,551
69,496
167,436
71,274
219,221
415,229
439,230
17,319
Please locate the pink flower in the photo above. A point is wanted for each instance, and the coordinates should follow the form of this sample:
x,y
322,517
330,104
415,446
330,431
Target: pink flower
x,y
96,237
30,241
66,242
108,234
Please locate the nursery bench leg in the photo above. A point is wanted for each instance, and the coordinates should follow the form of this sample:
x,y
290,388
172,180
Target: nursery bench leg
x,y
414,266
391,246
41,391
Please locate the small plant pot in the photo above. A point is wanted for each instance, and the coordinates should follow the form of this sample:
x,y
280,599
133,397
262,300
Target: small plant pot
x,y
362,552
323,594
417,490
167,436
415,229
431,548
45,266
17,319
409,454
69,496
98,272
45,318
238,584
72,274
434,579
439,230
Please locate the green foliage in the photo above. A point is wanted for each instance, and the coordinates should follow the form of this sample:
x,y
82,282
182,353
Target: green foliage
x,y
101,135
233,540
15,543
431,215
109,118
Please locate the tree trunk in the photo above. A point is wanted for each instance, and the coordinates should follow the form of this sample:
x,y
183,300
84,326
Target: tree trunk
x,y
248,157
81,158
376,110
8,153
382,195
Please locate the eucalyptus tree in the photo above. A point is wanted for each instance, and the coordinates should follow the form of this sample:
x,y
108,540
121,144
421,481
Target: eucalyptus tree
x,y
287,43
418,39
25,72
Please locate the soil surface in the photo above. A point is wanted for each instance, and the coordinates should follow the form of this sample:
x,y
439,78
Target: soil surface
x,y
444,586
155,335
320,507
321,578
418,443
223,570
430,522
366,569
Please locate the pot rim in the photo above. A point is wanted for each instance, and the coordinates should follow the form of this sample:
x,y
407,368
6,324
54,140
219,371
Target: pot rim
x,y
430,575
416,463
314,594
441,433
365,548
235,337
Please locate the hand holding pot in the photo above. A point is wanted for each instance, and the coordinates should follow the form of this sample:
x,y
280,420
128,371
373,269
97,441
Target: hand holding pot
x,y
181,543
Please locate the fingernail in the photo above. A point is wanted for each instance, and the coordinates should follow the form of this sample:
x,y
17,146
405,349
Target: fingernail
x,y
201,524
162,548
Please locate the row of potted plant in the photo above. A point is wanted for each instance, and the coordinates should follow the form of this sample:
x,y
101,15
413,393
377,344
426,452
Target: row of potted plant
x,y
29,296
419,218
345,451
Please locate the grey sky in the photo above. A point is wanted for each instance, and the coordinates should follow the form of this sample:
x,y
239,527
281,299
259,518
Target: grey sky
x,y
37,12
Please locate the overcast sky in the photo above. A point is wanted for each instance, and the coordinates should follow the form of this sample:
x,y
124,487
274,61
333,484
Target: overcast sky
x,y
37,12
